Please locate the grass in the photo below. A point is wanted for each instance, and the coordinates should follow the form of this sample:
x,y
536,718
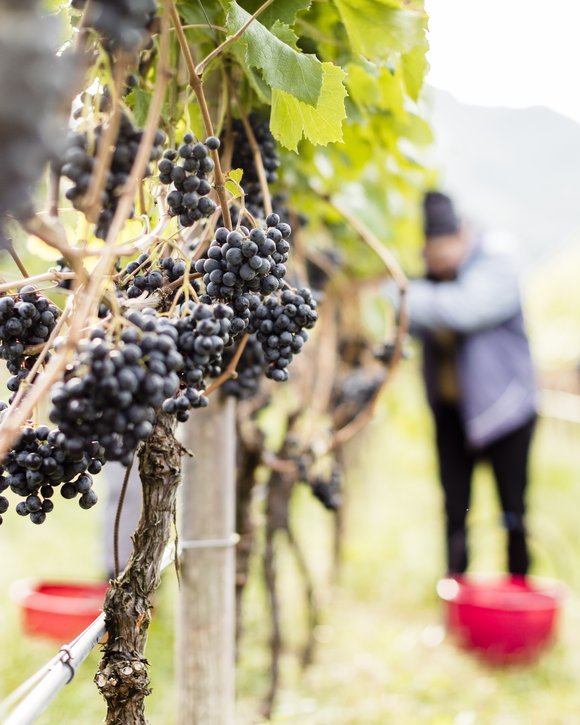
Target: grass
x,y
381,654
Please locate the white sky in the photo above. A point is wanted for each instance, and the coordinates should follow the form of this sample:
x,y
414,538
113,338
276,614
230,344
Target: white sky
x,y
507,52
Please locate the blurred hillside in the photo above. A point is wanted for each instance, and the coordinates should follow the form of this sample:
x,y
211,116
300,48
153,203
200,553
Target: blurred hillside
x,y
513,169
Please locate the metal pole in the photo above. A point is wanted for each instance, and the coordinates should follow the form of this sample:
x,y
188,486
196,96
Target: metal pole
x,y
72,656
205,643
57,673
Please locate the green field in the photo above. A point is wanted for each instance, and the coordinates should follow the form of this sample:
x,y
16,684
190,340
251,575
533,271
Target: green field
x,y
381,656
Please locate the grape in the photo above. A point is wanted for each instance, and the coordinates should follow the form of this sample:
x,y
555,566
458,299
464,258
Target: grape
x,y
146,275
280,326
203,333
186,170
250,369
26,320
328,490
78,161
111,391
40,460
385,352
243,158
352,393
244,261
63,266
121,23
318,276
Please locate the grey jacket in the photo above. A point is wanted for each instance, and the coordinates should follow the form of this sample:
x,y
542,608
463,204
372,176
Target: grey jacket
x,y
494,366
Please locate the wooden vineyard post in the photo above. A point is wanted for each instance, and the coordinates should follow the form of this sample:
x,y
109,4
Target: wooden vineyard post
x,y
205,641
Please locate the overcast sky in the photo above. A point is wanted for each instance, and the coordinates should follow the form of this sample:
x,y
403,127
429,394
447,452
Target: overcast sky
x,y
507,52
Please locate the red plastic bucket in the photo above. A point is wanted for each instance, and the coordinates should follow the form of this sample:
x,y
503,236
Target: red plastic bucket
x,y
60,610
504,619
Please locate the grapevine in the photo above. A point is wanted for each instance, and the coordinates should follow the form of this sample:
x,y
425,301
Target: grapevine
x,y
176,214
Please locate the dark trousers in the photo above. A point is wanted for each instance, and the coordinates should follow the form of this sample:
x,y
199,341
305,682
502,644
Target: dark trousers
x,y
509,460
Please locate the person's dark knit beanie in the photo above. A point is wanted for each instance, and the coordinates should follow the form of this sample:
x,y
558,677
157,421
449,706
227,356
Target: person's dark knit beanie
x,y
439,215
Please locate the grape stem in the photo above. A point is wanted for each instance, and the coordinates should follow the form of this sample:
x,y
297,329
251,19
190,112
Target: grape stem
x,y
372,241
53,276
9,247
179,282
51,234
197,86
82,29
216,51
106,144
230,371
125,204
204,26
53,192
345,433
43,353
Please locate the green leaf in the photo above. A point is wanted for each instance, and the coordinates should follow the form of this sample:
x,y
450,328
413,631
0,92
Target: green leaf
x,y
284,11
233,182
282,67
292,119
414,69
262,90
194,13
285,33
376,28
138,100
362,85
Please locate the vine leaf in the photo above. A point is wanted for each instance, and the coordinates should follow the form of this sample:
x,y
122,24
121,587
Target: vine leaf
x,y
284,11
283,68
376,28
285,34
139,101
292,119
414,68
233,182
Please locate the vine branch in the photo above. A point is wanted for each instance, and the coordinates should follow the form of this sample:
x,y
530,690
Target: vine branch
x,y
230,371
197,86
257,156
216,51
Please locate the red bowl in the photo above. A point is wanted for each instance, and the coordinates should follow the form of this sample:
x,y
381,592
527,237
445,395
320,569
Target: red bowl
x,y
60,610
504,619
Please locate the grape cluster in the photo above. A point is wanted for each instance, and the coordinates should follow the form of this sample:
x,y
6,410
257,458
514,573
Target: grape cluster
x,y
320,273
111,392
147,275
385,352
187,169
328,490
26,320
63,266
280,326
78,163
122,23
249,369
246,261
203,332
41,460
36,86
243,158
352,393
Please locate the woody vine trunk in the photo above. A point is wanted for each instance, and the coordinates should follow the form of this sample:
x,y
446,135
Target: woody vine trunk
x,y
122,676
